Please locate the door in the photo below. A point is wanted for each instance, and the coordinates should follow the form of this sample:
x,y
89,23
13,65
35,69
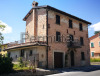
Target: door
x,y
58,60
72,58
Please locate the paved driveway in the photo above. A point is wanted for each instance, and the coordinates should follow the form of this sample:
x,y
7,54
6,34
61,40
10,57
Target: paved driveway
x,y
80,71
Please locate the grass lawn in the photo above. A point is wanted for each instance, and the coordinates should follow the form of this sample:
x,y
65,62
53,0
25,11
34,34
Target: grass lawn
x,y
16,67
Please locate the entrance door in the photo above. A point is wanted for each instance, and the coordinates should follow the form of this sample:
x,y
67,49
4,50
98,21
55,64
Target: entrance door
x,y
72,58
58,60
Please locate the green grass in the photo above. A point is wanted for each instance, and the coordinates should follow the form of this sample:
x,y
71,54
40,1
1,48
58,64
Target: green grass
x,y
95,60
16,67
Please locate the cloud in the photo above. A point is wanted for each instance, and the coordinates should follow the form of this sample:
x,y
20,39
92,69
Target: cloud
x,y
7,29
96,27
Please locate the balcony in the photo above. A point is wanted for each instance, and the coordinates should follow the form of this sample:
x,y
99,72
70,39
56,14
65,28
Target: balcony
x,y
73,44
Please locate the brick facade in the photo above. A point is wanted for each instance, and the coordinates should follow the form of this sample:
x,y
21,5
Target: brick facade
x,y
36,25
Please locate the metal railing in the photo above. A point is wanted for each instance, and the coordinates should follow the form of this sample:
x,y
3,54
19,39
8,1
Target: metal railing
x,y
73,44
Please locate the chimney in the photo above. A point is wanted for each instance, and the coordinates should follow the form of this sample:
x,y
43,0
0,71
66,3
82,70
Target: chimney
x,y
34,4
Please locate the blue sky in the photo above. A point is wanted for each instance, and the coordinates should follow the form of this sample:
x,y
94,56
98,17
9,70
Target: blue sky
x,y
12,13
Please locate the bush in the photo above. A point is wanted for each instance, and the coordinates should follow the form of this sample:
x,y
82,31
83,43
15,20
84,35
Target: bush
x,y
21,63
6,65
95,60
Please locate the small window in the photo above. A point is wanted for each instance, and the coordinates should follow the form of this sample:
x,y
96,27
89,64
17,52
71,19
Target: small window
x,y
99,35
22,53
57,19
82,56
92,44
8,54
92,54
43,26
81,41
74,32
30,53
80,27
0,49
70,24
99,43
71,38
99,55
58,36
67,30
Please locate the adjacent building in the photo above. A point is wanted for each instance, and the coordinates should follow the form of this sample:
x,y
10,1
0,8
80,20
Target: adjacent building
x,y
55,39
2,48
95,46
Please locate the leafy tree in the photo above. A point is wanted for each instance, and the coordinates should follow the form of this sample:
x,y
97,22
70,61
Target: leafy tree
x,y
2,29
96,32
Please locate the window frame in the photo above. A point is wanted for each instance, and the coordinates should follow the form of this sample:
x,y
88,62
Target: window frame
x,y
58,39
81,42
31,52
57,19
80,27
99,43
82,56
22,52
92,54
70,23
91,44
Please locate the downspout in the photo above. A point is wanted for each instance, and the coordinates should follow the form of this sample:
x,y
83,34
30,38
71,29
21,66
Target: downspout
x,y
47,36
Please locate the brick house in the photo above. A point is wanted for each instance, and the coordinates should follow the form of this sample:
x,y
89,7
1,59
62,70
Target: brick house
x,y
95,46
63,39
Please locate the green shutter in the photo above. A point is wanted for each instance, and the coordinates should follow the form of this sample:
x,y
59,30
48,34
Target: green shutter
x,y
92,44
92,54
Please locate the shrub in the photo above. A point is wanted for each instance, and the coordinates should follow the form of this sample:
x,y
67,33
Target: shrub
x,y
21,63
95,60
6,65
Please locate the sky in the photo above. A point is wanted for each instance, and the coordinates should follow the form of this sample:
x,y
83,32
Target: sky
x,y
12,13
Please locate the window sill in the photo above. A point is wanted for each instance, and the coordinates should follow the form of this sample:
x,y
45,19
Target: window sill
x,y
81,30
57,23
71,28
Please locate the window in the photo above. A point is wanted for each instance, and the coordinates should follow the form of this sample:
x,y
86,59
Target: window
x,y
57,19
67,30
74,32
58,36
99,55
70,24
71,38
92,54
30,53
99,43
82,56
22,53
99,35
0,49
80,27
8,54
92,44
81,41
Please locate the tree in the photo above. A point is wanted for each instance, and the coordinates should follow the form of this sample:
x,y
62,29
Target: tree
x,y
2,29
96,32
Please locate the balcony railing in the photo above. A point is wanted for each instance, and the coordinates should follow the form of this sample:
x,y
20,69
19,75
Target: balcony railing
x,y
73,44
